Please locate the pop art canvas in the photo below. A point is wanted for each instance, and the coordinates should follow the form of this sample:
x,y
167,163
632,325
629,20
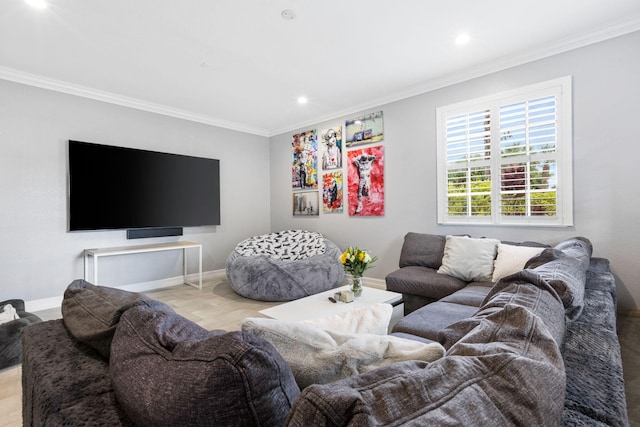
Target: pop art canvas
x,y
304,169
367,129
331,141
332,200
366,181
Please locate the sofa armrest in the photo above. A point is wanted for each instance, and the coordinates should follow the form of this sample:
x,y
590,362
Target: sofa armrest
x,y
65,382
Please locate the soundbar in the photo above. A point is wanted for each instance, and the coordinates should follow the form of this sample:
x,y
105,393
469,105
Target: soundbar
x,y
143,233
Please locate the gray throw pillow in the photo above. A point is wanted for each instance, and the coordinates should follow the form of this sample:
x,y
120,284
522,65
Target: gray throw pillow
x,y
424,250
168,371
91,313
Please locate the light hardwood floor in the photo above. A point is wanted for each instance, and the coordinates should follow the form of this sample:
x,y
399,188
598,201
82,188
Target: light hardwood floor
x,y
217,306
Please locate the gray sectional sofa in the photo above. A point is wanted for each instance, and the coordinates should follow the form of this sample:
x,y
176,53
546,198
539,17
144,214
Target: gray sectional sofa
x,y
418,279
539,347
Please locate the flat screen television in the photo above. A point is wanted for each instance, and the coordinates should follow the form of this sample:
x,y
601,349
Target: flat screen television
x,y
125,188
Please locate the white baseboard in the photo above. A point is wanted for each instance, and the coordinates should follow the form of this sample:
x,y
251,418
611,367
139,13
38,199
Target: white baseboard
x,y
55,302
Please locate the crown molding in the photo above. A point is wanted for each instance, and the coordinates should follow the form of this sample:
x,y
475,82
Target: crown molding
x,y
18,76
561,46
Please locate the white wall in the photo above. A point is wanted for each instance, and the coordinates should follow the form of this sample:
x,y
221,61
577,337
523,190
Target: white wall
x,y
606,108
38,257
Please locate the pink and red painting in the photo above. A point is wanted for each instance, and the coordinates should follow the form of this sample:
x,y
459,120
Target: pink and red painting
x,y
366,181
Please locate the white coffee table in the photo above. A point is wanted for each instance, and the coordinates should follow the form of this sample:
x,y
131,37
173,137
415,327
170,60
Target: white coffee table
x,y
318,306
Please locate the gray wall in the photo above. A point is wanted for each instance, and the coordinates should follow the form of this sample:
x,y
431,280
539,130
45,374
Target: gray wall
x,y
38,257
606,109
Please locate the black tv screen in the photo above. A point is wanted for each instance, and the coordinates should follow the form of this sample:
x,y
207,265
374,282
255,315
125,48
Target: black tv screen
x,y
124,188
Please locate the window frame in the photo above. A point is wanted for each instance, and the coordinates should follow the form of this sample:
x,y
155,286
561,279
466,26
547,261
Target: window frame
x,y
563,156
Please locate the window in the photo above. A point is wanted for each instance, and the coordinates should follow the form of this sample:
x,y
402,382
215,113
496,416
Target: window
x,y
506,159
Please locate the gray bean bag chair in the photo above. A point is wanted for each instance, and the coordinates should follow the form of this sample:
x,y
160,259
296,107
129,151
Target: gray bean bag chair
x,y
10,344
284,266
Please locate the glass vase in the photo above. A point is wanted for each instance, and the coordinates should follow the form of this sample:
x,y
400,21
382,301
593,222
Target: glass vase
x,y
356,286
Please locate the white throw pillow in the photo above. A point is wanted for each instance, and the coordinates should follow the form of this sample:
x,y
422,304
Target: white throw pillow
x,y
8,314
317,356
512,259
469,259
373,319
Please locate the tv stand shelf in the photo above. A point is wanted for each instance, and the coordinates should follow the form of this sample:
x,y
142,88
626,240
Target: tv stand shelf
x,y
126,250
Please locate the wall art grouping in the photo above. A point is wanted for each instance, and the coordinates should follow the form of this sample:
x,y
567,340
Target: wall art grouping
x,y
318,163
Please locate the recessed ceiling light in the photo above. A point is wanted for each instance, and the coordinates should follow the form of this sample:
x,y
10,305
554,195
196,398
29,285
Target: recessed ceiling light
x,y
462,39
39,4
302,100
288,14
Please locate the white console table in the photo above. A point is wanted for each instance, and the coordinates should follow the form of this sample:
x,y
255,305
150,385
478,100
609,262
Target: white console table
x,y
126,250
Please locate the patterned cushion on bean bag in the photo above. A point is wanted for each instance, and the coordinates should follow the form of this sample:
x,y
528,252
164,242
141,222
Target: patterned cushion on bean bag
x,y
289,245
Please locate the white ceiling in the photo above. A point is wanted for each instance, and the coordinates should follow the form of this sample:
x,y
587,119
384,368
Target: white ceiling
x,y
240,65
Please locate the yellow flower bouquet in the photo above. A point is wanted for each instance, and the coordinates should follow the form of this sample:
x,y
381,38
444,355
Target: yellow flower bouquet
x,y
356,261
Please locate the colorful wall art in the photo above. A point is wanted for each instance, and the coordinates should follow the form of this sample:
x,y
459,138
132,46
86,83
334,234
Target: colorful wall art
x,y
304,167
339,168
366,181
365,130
332,201
331,140
305,203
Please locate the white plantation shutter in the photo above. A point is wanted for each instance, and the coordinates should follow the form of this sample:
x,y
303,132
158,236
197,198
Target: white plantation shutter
x,y
468,153
506,159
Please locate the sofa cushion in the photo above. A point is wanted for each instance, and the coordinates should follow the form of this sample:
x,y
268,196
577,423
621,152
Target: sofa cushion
x,y
423,281
511,259
319,356
428,321
473,294
425,250
168,371
469,259
91,313
524,289
565,269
